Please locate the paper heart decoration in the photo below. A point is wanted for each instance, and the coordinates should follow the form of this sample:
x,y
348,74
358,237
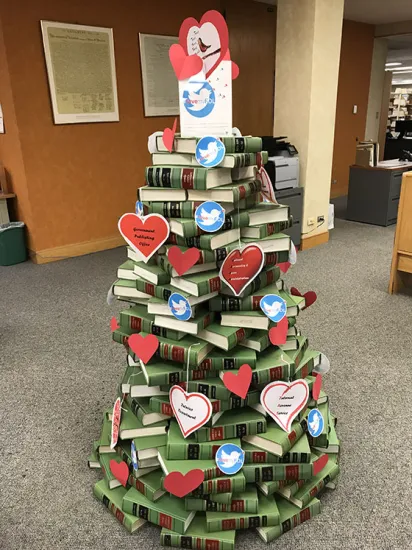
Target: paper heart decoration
x,y
184,65
145,234
240,267
323,367
284,401
235,70
113,324
209,39
120,470
238,383
266,185
319,464
192,410
317,385
292,253
183,261
116,414
168,136
143,346
284,266
310,296
279,333
181,485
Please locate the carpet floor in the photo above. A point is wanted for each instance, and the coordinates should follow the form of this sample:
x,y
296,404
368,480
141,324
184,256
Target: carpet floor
x,y
59,371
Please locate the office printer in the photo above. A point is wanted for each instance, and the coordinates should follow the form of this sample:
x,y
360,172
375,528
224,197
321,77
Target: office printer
x,y
283,162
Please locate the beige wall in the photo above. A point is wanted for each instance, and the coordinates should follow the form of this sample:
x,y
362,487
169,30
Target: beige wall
x,y
380,51
307,65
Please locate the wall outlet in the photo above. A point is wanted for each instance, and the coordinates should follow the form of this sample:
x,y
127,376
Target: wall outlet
x,y
311,221
321,219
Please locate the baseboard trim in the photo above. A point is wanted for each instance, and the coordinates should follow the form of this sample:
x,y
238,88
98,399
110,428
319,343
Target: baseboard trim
x,y
76,249
314,240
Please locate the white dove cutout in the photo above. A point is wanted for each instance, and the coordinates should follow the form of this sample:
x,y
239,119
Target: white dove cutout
x,y
209,218
179,308
229,460
273,309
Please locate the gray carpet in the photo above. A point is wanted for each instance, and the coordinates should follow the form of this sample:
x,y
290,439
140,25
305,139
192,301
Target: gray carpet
x,y
59,370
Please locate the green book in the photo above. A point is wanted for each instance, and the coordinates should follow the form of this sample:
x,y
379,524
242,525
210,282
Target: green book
x,y
225,338
140,407
137,319
145,465
198,284
126,271
210,241
93,459
152,273
278,242
275,440
103,444
266,277
131,427
251,302
208,467
105,459
333,446
234,160
308,362
276,472
205,257
113,499
134,382
184,177
192,326
245,502
197,537
168,511
259,341
160,373
228,360
186,209
272,364
299,453
228,484
234,192
267,515
266,229
127,289
162,405
147,446
298,354
250,319
233,424
247,144
199,267
290,517
180,448
315,485
187,228
150,485
213,388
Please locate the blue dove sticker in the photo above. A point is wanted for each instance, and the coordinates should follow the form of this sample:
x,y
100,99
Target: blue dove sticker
x,y
134,455
199,98
274,307
315,423
139,208
210,216
210,151
179,306
230,458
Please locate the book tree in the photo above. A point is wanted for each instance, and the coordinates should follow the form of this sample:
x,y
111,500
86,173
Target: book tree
x,y
220,423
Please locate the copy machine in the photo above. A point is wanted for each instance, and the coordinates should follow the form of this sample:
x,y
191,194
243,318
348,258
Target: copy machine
x,y
283,163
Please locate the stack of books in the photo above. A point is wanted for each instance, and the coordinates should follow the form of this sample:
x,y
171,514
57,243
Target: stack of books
x,y
277,488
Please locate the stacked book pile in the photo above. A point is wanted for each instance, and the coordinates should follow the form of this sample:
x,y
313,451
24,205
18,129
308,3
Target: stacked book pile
x,y
279,483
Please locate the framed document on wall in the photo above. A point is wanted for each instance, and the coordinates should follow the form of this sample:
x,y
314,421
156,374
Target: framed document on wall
x,y
160,85
81,71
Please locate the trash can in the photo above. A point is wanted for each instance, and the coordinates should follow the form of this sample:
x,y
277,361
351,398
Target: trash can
x,y
12,243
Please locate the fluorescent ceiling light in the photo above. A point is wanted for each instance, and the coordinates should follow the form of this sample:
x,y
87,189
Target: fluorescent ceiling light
x,y
392,64
404,68
403,72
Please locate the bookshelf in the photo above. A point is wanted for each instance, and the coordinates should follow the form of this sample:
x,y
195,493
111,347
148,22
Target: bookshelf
x,y
400,106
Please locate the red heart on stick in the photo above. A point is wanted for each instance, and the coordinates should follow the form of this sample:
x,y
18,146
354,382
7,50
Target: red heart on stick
x,y
279,333
180,485
144,347
183,261
144,234
317,385
113,324
120,470
184,65
168,136
310,296
238,383
319,464
284,266
240,267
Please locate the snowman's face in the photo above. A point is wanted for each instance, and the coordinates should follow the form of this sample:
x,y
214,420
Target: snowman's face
x,y
204,42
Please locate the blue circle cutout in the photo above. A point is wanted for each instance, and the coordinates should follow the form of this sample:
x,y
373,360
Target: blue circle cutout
x,y
315,423
210,216
179,306
139,208
230,458
210,151
273,306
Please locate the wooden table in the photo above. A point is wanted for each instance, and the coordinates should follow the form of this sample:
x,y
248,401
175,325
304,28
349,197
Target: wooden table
x,y
401,270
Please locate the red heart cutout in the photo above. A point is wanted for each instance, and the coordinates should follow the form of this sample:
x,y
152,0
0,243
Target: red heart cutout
x,y
120,470
113,324
144,347
144,234
183,261
279,333
240,267
180,485
317,385
206,38
184,65
235,70
284,266
310,296
319,464
168,136
238,383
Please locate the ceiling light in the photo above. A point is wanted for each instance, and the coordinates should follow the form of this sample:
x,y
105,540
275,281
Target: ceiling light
x,y
401,69
392,64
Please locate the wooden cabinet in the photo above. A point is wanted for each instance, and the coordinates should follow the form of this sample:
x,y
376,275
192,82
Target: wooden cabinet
x,y
401,270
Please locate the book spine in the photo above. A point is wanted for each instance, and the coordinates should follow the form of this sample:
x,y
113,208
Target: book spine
x,y
260,457
139,324
160,406
196,543
307,513
277,472
211,391
117,512
316,490
180,178
141,487
241,523
293,436
224,363
172,209
231,431
158,518
191,451
280,372
211,285
271,487
220,485
244,190
165,379
242,144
